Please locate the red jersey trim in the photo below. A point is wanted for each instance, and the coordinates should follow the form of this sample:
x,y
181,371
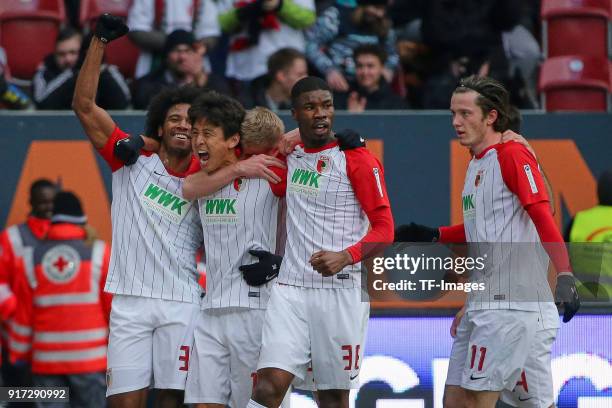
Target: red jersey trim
x,y
320,149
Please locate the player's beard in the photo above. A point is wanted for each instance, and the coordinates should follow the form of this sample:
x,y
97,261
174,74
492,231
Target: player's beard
x,y
177,152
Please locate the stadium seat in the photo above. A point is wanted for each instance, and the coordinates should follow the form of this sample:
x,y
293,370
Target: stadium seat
x,y
121,52
28,29
567,23
575,83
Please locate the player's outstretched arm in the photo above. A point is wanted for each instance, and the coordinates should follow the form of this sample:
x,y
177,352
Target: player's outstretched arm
x,y
96,122
202,184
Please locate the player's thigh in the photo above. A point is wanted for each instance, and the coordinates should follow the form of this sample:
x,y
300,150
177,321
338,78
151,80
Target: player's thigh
x,y
499,344
130,345
454,396
458,354
285,341
535,387
208,379
243,331
333,398
338,320
481,399
172,342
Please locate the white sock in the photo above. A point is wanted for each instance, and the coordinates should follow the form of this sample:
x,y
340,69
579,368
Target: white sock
x,y
253,404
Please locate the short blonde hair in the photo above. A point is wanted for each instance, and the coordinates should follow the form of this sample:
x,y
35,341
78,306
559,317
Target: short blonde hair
x,y
261,127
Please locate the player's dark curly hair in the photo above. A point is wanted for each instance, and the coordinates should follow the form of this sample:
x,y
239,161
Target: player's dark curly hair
x,y
492,95
162,102
218,109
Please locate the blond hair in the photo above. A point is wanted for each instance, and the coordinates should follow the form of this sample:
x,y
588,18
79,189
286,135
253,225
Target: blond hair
x,y
261,127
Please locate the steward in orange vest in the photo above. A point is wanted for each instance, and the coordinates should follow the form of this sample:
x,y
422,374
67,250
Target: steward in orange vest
x,y
61,322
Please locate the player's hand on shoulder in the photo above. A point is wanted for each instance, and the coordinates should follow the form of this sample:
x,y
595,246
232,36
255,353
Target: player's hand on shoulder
x,y
349,139
264,270
128,149
288,141
416,233
329,263
257,166
109,28
511,136
566,295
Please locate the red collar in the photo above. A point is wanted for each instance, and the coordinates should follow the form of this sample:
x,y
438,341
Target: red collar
x,y
330,145
65,231
481,154
194,167
38,226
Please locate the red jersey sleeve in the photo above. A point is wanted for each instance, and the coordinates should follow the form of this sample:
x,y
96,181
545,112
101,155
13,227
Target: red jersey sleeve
x,y
454,234
20,327
107,152
367,177
280,189
521,173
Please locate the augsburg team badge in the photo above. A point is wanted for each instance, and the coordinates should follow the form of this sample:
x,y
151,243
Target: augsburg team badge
x,y
478,178
238,184
323,164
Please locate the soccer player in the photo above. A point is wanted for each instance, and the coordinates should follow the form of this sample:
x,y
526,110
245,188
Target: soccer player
x,y
156,234
316,315
512,324
239,223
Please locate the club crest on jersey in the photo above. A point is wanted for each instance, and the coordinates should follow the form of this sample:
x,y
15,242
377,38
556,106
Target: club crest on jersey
x,y
61,264
305,182
323,164
478,179
164,203
239,184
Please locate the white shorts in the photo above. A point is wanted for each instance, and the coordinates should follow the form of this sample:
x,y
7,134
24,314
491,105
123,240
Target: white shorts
x,y
224,357
149,339
491,348
535,387
321,328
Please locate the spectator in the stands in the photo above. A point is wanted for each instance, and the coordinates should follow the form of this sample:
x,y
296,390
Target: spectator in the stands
x,y
54,82
183,65
465,38
11,96
273,90
341,29
151,21
256,30
370,90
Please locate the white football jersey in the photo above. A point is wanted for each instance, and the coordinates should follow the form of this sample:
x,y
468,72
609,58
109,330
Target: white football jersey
x,y
156,232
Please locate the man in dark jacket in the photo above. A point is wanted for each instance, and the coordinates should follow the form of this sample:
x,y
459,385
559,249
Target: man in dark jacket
x,y
183,65
370,90
54,82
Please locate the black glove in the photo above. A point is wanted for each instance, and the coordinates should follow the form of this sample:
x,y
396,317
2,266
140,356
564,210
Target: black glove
x,y
109,28
567,295
128,149
349,139
416,233
263,271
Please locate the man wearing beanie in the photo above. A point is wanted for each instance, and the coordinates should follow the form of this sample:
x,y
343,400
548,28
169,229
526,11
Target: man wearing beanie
x,y
183,65
61,323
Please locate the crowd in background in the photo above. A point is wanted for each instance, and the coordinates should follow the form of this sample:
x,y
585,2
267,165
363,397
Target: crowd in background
x,y
375,54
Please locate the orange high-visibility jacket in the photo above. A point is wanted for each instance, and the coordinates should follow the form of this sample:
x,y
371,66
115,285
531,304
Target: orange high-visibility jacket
x,y
13,241
61,321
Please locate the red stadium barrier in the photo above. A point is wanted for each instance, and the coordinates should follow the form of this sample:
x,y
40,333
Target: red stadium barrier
x,y
27,32
575,83
567,23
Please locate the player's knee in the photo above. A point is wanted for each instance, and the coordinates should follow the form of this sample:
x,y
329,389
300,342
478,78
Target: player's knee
x,y
170,398
333,398
267,391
